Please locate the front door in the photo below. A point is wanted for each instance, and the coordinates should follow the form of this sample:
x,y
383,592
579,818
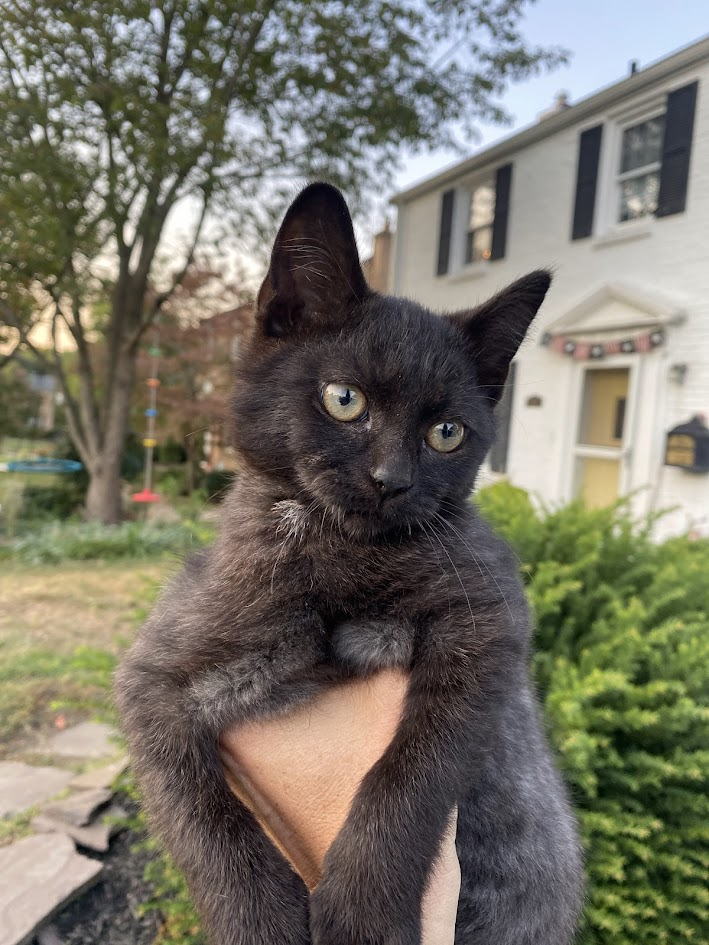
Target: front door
x,y
600,442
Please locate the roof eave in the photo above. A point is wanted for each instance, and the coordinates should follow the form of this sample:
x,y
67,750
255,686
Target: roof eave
x,y
597,101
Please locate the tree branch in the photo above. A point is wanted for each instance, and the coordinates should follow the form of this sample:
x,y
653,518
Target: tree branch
x,y
162,297
9,316
87,403
10,356
70,405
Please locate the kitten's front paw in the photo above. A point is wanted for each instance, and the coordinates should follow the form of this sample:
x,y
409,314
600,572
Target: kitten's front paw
x,y
366,646
344,914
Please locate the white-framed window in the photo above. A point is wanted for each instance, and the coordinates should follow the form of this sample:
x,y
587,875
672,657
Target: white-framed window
x,y
640,163
481,214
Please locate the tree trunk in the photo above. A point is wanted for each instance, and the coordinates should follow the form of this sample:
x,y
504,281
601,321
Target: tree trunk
x,y
103,498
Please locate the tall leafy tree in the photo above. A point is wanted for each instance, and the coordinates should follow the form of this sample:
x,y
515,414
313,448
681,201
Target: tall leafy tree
x,y
114,115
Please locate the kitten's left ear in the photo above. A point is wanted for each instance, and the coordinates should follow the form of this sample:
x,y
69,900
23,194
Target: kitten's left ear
x,y
494,330
315,274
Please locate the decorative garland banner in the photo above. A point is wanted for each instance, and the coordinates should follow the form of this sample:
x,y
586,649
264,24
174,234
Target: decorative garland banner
x,y
595,350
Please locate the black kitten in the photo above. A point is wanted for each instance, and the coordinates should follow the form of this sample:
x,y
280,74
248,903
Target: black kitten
x,y
348,546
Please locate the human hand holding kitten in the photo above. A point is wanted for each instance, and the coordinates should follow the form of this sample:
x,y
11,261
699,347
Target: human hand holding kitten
x,y
299,773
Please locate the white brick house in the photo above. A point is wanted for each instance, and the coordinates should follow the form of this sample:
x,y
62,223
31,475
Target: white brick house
x,y
613,192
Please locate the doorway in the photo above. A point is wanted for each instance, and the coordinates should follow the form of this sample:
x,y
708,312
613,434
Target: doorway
x,y
601,439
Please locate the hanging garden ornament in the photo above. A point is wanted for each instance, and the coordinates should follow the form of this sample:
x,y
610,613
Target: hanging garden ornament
x,y
145,495
151,412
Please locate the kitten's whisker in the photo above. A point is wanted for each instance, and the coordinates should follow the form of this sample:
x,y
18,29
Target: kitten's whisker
x,y
457,574
453,510
438,562
480,562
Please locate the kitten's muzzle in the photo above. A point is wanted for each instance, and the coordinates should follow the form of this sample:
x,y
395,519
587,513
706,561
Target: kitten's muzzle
x,y
392,478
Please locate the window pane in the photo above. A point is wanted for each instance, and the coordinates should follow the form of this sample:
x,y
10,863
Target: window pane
x,y
482,206
642,144
478,244
638,196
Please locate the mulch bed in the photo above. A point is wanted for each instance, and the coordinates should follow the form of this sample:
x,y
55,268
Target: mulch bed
x,y
106,914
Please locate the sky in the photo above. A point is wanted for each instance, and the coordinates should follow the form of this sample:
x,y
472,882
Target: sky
x,y
603,36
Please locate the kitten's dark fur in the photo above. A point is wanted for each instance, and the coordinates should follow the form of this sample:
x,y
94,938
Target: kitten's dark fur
x,y
321,571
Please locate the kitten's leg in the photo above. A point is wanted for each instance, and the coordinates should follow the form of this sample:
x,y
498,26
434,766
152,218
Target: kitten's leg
x,y
376,871
243,888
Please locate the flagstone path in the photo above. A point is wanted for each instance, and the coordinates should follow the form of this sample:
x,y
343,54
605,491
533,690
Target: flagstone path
x,y
41,873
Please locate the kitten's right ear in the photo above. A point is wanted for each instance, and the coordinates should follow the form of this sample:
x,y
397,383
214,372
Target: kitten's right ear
x,y
315,275
494,330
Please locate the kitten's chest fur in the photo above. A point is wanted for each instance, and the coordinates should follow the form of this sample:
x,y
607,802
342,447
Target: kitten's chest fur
x,y
288,553
348,578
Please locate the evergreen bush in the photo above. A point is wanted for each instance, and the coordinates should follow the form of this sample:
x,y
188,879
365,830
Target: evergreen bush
x,y
622,667
57,501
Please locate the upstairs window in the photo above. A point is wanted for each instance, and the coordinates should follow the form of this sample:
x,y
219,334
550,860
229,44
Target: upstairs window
x,y
640,168
478,240
651,172
473,222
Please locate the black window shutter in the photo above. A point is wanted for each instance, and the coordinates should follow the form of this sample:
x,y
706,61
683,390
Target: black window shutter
x,y
503,418
676,149
503,185
444,236
586,179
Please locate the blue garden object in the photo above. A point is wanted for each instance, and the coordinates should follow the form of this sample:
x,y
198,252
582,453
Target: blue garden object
x,y
42,465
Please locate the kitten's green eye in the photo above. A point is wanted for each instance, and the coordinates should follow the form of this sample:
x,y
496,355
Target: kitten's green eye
x,y
445,436
344,402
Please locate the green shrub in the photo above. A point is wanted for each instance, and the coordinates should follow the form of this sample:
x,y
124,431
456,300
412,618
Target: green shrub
x,y
170,452
171,485
80,541
216,483
621,663
52,501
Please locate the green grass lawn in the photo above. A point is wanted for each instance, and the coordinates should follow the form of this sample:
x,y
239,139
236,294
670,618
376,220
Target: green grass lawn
x,y
62,629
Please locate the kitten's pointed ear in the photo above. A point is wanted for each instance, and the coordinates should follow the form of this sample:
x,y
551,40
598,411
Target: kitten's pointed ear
x,y
315,274
494,330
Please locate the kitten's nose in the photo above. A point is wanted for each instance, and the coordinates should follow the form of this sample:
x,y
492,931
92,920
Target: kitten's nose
x,y
392,478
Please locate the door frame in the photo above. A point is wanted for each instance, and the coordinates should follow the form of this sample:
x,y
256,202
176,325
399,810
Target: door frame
x,y
624,454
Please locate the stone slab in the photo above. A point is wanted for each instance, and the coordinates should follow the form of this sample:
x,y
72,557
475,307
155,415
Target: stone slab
x,y
86,740
23,786
100,777
79,808
96,836
39,875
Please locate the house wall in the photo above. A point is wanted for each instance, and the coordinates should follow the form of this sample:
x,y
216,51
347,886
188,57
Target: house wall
x,y
667,255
